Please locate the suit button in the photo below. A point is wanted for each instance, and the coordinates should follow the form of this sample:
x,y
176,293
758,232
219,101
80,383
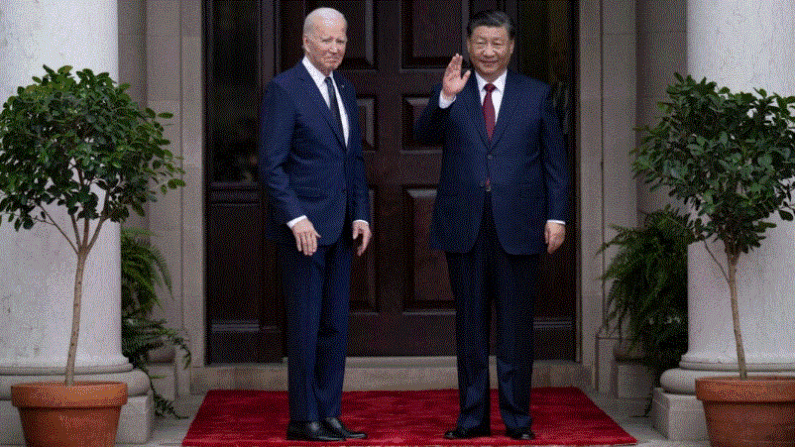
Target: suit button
x,y
489,156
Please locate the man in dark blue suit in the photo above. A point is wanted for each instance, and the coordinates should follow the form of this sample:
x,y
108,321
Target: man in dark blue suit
x,y
500,202
311,162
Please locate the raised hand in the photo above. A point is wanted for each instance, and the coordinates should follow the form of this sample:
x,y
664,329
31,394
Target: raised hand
x,y
454,81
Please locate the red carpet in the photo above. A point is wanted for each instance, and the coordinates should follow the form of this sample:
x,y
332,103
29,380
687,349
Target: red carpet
x,y
236,418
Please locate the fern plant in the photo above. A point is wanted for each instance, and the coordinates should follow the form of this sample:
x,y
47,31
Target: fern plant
x,y
648,294
140,335
143,268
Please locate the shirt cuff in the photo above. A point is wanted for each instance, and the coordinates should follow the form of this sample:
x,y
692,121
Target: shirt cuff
x,y
292,223
556,221
445,103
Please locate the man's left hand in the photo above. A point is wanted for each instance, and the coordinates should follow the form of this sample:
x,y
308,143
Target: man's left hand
x,y
362,228
554,233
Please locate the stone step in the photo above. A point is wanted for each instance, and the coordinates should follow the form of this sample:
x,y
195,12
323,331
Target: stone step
x,y
381,373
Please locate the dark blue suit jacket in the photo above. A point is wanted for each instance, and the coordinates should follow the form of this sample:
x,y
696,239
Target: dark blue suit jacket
x,y
525,160
304,161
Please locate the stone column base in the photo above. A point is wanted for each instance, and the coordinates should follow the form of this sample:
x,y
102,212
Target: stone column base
x,y
135,423
679,417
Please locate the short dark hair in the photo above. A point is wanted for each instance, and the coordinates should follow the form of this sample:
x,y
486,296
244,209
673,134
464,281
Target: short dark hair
x,y
493,18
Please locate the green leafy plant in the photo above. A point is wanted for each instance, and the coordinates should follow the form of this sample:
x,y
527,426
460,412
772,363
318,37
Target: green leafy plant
x,y
143,268
729,156
140,335
80,143
648,292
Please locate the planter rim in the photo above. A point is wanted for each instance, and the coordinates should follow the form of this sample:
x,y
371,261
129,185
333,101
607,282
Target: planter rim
x,y
57,395
752,390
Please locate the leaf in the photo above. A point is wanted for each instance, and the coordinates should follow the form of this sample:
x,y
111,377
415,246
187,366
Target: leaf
x,y
726,154
77,124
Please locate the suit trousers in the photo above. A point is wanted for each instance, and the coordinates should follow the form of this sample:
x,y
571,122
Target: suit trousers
x,y
478,278
317,296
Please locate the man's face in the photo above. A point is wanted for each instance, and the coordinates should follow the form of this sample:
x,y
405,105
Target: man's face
x,y
325,45
490,50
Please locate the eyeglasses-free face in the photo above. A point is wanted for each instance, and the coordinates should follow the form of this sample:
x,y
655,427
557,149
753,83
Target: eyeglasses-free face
x,y
490,49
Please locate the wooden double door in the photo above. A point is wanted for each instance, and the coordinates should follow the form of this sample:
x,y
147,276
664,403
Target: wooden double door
x,y
401,304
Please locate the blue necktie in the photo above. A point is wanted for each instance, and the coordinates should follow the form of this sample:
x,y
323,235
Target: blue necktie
x,y
332,104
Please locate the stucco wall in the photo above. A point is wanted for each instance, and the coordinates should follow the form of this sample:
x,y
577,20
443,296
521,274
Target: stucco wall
x,y
662,51
160,55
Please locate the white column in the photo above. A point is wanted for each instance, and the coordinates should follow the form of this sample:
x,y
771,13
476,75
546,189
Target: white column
x,y
36,286
743,45
765,288
38,265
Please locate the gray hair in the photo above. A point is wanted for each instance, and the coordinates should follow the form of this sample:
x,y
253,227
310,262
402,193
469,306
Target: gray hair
x,y
321,13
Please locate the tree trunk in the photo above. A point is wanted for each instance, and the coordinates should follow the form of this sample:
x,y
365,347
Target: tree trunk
x,y
82,255
738,338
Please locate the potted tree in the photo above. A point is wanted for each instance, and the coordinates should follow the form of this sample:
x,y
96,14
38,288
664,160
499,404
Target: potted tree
x,y
79,143
731,158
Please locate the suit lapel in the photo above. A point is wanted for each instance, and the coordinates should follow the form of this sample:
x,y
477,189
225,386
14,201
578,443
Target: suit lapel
x,y
320,103
471,97
510,100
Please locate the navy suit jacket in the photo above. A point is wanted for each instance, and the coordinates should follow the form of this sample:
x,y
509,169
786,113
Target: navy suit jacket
x,y
525,160
304,161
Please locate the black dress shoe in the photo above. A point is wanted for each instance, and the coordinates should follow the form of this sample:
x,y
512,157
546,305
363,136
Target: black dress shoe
x,y
310,431
334,425
521,434
467,433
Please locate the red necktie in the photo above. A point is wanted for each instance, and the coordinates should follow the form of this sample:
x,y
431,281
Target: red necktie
x,y
488,110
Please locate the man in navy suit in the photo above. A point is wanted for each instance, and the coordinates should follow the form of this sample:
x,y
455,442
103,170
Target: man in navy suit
x,y
500,202
311,162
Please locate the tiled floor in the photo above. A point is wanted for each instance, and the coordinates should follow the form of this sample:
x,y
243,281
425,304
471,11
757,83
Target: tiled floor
x,y
628,414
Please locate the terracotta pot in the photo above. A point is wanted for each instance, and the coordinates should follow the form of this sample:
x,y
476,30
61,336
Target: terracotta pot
x,y
758,412
54,415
